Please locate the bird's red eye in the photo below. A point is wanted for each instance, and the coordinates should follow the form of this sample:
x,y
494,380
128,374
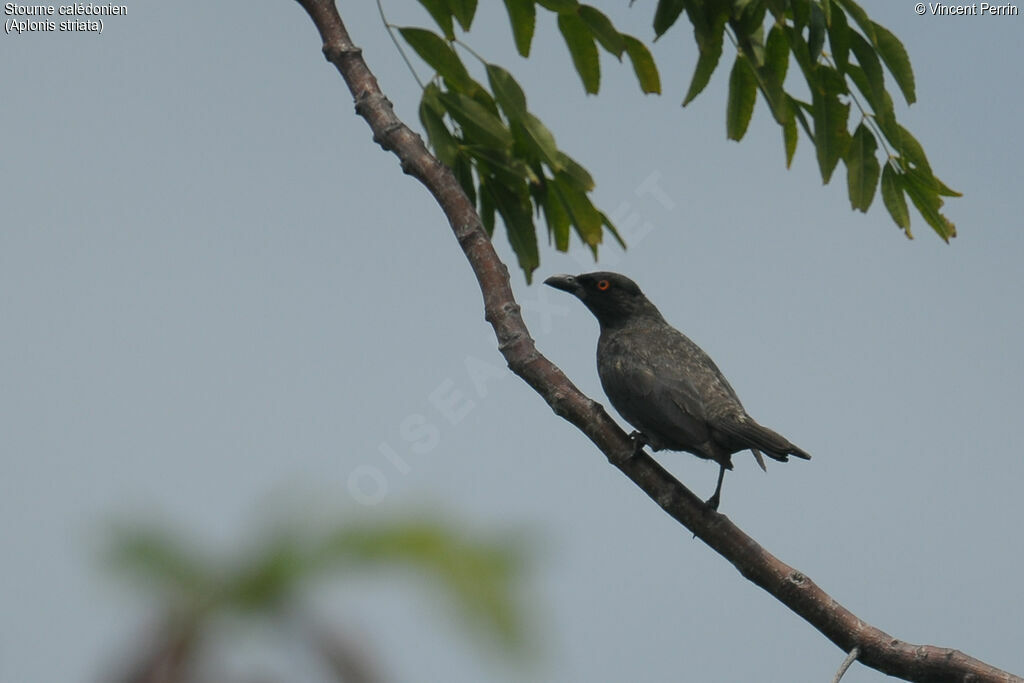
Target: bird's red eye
x,y
603,285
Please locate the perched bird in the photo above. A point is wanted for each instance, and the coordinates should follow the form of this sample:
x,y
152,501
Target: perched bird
x,y
665,385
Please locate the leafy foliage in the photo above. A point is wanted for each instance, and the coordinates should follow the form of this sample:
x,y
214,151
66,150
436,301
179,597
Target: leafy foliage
x,y
479,577
509,163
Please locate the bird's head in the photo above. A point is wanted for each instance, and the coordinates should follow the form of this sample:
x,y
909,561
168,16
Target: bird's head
x,y
614,299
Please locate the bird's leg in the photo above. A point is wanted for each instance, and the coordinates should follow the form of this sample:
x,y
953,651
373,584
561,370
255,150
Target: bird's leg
x,y
717,496
639,441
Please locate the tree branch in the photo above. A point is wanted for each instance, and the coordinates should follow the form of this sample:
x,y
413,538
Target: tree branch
x,y
878,649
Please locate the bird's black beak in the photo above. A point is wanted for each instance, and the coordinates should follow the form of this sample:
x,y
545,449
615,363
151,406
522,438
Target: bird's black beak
x,y
566,283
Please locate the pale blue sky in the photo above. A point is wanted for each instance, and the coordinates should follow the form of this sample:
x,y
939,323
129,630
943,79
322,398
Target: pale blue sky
x,y
220,299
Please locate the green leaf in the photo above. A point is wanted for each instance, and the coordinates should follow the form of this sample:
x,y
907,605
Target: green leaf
x,y
585,218
441,140
839,39
859,16
643,65
575,173
798,107
773,73
816,34
742,95
877,95
895,57
500,165
540,141
514,207
463,170
603,29
665,15
801,11
826,10
557,218
710,52
611,228
442,16
583,50
862,168
789,138
830,135
911,151
436,52
507,92
895,202
798,46
479,125
928,202
522,15
748,19
560,6
486,208
463,11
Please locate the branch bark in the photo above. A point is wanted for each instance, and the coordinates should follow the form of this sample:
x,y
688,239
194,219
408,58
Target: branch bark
x,y
877,649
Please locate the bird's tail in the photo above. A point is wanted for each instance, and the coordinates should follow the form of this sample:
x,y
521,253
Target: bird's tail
x,y
758,438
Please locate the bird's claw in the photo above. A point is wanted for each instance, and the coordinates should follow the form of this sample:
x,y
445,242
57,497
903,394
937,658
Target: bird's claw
x,y
712,503
639,441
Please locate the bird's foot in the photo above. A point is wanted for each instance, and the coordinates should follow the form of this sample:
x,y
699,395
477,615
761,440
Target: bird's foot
x,y
639,441
712,502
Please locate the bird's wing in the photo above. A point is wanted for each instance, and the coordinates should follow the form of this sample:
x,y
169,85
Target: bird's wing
x,y
666,407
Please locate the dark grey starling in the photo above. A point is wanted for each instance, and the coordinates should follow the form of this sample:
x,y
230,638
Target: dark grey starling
x,y
665,385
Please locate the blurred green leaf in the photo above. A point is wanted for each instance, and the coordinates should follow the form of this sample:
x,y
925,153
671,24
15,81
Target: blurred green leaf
x,y
157,557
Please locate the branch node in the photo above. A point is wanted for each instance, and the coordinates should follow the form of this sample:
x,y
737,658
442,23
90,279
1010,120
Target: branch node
x,y
510,308
337,53
796,578
509,340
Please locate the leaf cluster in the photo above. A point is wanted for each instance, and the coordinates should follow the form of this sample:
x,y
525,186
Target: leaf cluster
x,y
478,577
503,155
766,34
509,164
